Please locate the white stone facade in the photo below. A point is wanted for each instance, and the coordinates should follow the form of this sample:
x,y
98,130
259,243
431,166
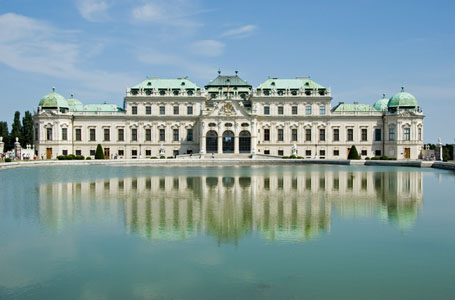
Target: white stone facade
x,y
270,122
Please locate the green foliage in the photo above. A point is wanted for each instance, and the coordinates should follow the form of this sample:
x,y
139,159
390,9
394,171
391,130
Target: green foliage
x,y
170,157
367,158
353,154
162,157
4,131
88,158
153,157
7,159
27,129
16,130
70,157
99,154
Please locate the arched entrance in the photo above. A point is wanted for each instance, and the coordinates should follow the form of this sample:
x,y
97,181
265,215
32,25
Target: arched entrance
x,y
244,142
228,142
211,142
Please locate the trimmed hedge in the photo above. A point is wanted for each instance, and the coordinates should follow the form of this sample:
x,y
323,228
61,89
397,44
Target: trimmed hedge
x,y
70,157
353,154
99,154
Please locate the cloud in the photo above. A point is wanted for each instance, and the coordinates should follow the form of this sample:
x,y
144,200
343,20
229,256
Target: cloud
x,y
176,13
241,32
30,45
210,48
93,10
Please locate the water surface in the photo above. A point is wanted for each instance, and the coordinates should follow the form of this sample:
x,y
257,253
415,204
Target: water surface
x,y
291,232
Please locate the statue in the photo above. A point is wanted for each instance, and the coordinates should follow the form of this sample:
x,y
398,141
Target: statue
x,y
294,150
162,150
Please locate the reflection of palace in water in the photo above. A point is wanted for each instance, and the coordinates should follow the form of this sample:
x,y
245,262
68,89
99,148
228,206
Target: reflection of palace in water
x,y
288,206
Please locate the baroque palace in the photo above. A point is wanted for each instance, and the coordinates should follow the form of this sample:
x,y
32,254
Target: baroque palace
x,y
280,117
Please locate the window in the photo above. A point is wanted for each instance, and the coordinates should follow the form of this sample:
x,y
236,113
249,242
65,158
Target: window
x,y
36,133
107,134
280,135
162,135
377,135
377,153
133,134
294,110
148,152
350,134
121,135
133,152
280,152
308,152
336,135
308,110
64,134
308,134
266,134
336,152
121,152
176,110
266,110
162,110
364,134
322,135
148,134
321,152
189,110
148,110
65,152
78,152
267,152
78,134
189,134
134,110
322,110
407,134
176,135
294,135
280,110
391,134
92,134
420,134
92,152
49,134
364,153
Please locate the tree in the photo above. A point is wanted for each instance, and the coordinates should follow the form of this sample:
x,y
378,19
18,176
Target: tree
x,y
27,129
99,154
353,154
4,134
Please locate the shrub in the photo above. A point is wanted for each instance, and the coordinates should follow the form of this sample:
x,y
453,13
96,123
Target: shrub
x,y
61,157
99,154
170,157
162,157
153,157
353,154
367,158
88,158
79,157
7,159
293,157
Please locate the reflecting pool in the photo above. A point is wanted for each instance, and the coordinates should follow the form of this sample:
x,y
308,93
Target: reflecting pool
x,y
281,232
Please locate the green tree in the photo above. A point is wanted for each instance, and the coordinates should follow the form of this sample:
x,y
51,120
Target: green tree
x,y
99,154
4,134
27,129
353,154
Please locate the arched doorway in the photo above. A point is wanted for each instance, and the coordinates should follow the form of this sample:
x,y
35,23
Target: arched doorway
x,y
228,142
244,142
211,142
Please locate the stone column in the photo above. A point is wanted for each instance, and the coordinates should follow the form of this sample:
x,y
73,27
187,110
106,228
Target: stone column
x,y
236,144
2,145
220,144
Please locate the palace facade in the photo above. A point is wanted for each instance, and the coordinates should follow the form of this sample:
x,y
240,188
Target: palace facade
x,y
280,117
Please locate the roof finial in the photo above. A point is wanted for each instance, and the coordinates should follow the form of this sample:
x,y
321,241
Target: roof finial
x,y
383,96
53,88
219,72
402,88
71,95
236,72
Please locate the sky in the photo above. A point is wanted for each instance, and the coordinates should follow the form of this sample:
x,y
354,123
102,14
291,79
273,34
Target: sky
x,y
95,49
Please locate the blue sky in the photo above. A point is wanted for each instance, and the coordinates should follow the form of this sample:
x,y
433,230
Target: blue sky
x,y
360,49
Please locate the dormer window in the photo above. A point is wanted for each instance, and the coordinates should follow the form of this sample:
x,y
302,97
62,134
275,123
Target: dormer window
x,y
272,83
176,92
149,83
266,92
307,92
322,92
280,93
190,92
183,83
148,92
162,92
134,92
294,93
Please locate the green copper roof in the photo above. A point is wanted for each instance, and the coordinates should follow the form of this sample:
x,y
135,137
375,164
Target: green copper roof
x,y
381,104
159,83
97,108
292,84
230,80
355,107
72,102
403,99
53,100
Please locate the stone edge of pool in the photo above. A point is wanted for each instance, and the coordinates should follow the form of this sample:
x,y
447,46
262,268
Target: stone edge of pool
x,y
229,162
